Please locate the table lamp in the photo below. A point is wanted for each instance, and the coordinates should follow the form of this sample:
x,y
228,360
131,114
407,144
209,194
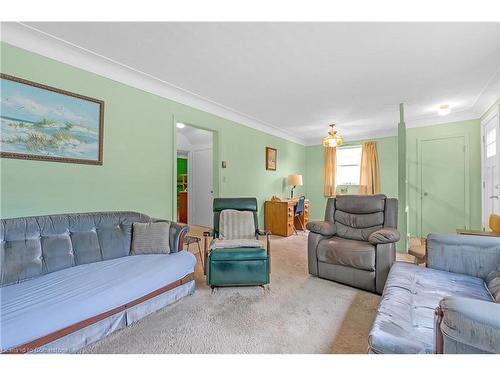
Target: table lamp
x,y
294,180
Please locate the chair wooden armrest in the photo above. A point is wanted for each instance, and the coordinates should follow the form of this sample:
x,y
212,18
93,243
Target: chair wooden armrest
x,y
266,233
206,236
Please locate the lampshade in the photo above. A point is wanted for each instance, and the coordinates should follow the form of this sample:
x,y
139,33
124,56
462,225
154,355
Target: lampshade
x,y
295,180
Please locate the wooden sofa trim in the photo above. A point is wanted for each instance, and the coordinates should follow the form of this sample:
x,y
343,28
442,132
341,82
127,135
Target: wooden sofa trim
x,y
32,345
438,334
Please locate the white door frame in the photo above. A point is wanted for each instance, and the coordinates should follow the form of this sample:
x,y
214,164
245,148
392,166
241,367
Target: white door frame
x,y
217,140
484,121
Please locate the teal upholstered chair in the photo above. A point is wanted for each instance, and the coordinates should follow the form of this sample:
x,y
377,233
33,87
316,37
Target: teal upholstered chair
x,y
234,257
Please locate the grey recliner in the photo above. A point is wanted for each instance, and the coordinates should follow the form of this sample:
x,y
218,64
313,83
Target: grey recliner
x,y
356,244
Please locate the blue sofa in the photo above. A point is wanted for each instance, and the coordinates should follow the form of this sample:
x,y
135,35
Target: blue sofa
x,y
68,280
447,307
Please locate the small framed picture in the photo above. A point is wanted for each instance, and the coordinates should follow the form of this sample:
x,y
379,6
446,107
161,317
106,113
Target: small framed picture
x,y
271,158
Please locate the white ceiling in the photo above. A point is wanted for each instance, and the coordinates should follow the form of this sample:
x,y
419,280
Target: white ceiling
x,y
195,137
299,77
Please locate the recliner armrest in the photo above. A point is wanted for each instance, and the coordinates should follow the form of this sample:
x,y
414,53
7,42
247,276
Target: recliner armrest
x,y
470,322
325,228
384,235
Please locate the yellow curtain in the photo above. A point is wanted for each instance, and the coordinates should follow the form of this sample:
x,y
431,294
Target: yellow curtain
x,y
369,182
330,171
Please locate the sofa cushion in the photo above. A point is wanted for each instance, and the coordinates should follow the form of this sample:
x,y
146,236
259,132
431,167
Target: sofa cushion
x,y
33,246
217,243
344,252
21,251
151,238
236,224
405,318
40,306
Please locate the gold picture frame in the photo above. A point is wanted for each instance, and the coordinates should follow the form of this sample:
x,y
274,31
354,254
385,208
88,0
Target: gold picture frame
x,y
47,130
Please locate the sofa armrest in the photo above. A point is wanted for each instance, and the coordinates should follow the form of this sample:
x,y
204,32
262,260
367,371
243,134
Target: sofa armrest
x,y
466,325
384,235
465,254
325,228
176,234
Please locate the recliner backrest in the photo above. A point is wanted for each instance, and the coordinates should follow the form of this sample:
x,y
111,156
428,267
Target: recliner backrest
x,y
240,204
358,216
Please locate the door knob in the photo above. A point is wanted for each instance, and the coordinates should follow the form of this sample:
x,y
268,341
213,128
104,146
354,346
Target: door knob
x,y
426,194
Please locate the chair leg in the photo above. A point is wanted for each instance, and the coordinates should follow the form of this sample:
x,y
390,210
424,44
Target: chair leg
x,y
294,229
266,288
301,224
201,257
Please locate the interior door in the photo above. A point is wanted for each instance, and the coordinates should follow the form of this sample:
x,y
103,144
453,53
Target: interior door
x,y
491,169
444,185
202,187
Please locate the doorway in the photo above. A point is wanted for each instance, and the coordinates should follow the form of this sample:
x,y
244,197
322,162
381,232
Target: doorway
x,y
444,185
490,151
194,175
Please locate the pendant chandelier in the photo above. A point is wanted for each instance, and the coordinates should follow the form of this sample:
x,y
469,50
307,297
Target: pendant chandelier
x,y
332,139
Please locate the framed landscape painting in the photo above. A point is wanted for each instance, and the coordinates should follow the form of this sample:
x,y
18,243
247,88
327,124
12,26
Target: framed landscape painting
x,y
40,122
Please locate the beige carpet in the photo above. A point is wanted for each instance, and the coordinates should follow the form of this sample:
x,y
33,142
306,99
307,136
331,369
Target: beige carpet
x,y
299,314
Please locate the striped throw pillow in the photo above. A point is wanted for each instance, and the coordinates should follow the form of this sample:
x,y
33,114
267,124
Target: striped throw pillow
x,y
151,238
234,224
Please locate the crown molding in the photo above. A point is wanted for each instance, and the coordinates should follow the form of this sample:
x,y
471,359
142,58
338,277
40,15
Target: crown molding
x,y
39,42
380,133
465,115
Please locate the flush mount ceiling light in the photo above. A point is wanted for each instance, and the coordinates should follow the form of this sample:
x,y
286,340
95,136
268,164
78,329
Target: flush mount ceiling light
x,y
332,139
444,110
180,125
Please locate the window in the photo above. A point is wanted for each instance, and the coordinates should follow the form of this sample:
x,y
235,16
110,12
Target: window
x,y
491,143
348,165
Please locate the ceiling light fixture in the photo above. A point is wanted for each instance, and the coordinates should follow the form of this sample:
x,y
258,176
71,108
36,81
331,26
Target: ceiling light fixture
x,y
332,139
180,125
444,110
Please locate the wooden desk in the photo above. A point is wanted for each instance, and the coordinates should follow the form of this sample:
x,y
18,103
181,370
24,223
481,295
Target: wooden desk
x,y
279,219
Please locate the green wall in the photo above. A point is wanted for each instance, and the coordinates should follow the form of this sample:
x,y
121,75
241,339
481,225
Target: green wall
x,y
387,149
140,160
139,156
471,130
388,154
